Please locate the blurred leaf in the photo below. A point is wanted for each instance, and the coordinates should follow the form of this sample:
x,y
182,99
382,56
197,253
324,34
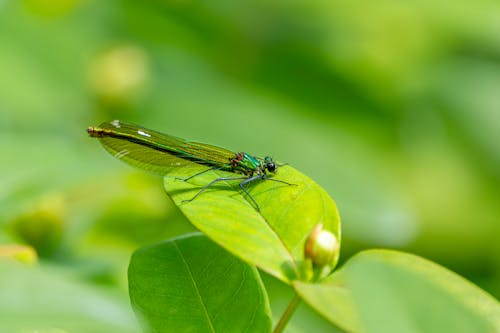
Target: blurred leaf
x,y
390,291
273,238
191,284
50,8
42,226
119,73
22,253
471,84
39,299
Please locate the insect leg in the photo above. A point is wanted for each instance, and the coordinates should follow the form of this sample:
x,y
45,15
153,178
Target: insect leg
x,y
210,184
279,181
199,173
249,180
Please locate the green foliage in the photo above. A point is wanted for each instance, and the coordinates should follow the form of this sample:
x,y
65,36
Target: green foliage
x,y
190,284
375,291
391,106
48,299
272,238
389,291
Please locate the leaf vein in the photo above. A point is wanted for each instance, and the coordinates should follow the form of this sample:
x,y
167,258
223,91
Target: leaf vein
x,y
195,285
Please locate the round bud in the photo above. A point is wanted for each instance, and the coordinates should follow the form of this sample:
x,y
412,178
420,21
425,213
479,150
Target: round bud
x,y
120,73
321,247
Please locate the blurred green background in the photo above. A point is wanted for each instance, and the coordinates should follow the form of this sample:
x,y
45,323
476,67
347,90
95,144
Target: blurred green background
x,y
393,107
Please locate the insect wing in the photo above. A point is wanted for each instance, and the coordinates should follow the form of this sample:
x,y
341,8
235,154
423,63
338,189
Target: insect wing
x,y
156,152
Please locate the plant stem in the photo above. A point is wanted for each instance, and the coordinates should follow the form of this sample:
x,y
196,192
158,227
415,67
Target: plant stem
x,y
294,303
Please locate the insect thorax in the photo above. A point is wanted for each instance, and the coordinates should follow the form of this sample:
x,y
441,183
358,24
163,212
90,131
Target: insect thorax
x,y
246,164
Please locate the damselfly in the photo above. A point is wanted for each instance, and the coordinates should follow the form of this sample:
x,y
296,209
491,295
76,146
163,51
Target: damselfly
x,y
162,154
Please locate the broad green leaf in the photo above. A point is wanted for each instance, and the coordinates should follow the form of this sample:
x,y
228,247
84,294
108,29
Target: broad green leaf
x,y
37,298
190,284
389,291
272,238
333,299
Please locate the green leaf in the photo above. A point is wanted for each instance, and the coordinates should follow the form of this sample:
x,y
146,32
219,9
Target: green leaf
x,y
332,298
390,291
190,284
38,298
273,239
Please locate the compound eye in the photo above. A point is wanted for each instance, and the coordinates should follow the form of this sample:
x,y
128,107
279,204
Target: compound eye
x,y
271,166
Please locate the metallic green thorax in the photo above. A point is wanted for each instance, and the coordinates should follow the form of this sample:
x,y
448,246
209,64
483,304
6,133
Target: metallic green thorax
x,y
247,164
250,162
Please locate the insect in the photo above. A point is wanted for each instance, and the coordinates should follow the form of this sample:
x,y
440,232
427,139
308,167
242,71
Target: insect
x,y
163,154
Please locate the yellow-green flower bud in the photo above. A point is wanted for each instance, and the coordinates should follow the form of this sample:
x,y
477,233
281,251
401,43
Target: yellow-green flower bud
x,y
321,246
